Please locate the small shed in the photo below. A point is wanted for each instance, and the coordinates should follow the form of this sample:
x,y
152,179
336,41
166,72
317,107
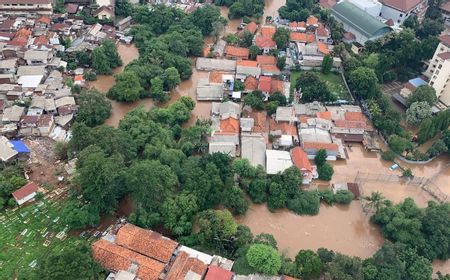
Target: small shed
x,y
25,193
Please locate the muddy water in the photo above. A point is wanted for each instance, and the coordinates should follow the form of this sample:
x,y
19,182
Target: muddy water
x,y
233,24
344,229
271,8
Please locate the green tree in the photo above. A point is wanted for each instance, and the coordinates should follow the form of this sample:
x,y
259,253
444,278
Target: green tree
x,y
123,8
321,157
158,92
178,213
308,264
264,259
399,144
266,239
254,52
417,112
423,93
375,201
281,37
325,171
100,62
217,227
246,39
66,264
364,82
110,50
127,88
344,268
94,107
305,203
79,216
171,78
234,200
281,63
313,88
255,100
258,190
204,17
327,64
344,197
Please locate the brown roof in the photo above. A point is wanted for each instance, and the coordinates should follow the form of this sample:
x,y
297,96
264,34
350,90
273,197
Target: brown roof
x,y
237,52
354,116
302,37
285,127
251,27
107,9
402,5
218,273
319,145
29,119
44,19
265,83
444,55
114,257
268,31
351,124
183,264
446,6
312,20
354,188
247,63
277,85
71,8
44,120
266,60
327,4
40,40
146,242
260,121
26,190
300,159
229,125
215,77
250,83
265,42
322,31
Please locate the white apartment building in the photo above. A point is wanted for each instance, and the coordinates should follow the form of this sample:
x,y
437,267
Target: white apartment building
x,y
438,70
23,7
400,10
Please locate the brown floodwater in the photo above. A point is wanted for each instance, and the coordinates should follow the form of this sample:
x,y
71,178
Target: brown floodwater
x,y
344,229
271,8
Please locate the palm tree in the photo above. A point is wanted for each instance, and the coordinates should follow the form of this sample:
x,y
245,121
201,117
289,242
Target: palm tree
x,y
375,201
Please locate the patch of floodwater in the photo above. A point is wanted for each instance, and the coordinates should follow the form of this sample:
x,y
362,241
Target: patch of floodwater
x,y
272,7
335,228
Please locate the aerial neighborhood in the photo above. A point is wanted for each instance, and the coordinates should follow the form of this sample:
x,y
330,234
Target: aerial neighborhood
x,y
225,139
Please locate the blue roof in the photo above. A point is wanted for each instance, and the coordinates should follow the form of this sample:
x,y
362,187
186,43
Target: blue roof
x,y
19,146
417,82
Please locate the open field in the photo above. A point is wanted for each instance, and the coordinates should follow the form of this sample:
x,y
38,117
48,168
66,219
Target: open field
x,y
333,81
29,233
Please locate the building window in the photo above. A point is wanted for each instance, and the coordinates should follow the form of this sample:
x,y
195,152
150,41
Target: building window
x,y
401,15
437,72
440,66
433,66
435,60
380,14
431,83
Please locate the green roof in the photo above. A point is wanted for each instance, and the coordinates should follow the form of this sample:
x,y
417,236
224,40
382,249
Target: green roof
x,y
353,16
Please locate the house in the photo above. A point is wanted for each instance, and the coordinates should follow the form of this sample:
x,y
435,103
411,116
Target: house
x,y
297,26
407,89
8,66
12,114
250,84
124,23
311,149
262,60
312,22
7,151
265,43
207,91
361,24
187,266
26,7
210,64
322,34
438,70
218,273
352,187
219,48
400,10
251,27
270,70
253,148
327,4
25,193
302,37
236,53
265,84
372,7
28,126
2,105
247,68
45,124
226,109
277,161
301,161
285,114
104,12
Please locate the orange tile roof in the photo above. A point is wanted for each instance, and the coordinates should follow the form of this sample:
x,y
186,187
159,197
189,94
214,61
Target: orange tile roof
x,y
23,32
206,51
265,83
319,145
40,40
215,77
265,42
260,119
251,27
218,273
277,86
284,277
268,31
354,116
247,63
303,119
270,68
229,125
146,242
78,78
302,37
284,127
266,60
350,124
323,48
312,20
322,31
114,257
237,52
44,19
183,264
251,83
324,115
295,24
300,159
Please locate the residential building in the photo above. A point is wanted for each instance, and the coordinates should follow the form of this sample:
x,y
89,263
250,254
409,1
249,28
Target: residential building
x,y
399,10
7,151
104,12
218,273
236,53
438,70
253,148
210,64
277,161
361,24
301,160
26,7
265,84
25,193
247,68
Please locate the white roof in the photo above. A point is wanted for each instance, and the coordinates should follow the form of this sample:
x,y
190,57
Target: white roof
x,y
215,64
30,81
205,258
6,149
254,149
286,114
36,55
228,148
30,70
277,161
67,100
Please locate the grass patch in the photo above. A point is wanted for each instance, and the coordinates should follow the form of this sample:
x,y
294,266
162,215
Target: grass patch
x,y
24,232
333,80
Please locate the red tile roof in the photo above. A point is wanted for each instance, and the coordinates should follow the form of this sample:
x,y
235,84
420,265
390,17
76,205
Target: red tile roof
x,y
312,20
302,37
324,115
44,19
318,146
354,116
146,242
445,39
322,31
237,52
247,63
229,125
218,273
270,69
251,27
183,264
327,4
323,48
300,159
277,85
268,31
295,24
350,124
266,60
251,83
260,121
285,127
114,257
402,5
215,77
265,83
23,32
265,42
40,40
71,8
26,190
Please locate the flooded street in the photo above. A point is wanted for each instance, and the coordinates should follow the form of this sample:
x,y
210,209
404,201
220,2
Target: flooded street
x,y
344,229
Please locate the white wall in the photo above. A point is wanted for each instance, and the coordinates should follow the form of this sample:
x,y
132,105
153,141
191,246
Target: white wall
x,y
27,198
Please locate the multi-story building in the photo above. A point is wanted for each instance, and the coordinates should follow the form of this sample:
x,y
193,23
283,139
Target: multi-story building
x,y
21,7
438,70
400,10
445,9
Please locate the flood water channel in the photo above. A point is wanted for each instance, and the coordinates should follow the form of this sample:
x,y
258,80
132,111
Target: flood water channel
x,y
345,229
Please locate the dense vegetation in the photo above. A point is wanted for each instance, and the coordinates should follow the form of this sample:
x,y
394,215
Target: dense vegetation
x,y
243,8
11,178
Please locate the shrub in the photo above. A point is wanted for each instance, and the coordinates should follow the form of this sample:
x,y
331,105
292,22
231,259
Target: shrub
x,y
325,172
307,202
343,197
388,155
